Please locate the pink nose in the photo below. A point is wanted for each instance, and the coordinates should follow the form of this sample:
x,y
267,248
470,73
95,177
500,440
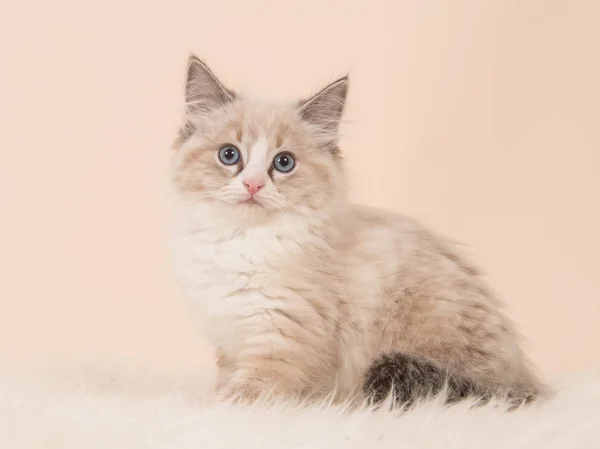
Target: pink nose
x,y
253,185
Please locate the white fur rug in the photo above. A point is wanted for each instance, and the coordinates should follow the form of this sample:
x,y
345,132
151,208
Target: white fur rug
x,y
91,409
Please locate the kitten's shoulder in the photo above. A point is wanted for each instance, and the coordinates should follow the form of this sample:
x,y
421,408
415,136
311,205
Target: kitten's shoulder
x,y
376,231
370,218
403,234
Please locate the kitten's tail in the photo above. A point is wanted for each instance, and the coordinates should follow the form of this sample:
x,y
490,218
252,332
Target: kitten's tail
x,y
408,379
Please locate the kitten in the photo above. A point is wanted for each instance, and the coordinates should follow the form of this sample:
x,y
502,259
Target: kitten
x,y
302,292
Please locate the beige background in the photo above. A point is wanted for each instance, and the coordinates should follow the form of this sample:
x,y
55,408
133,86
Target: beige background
x,y
479,117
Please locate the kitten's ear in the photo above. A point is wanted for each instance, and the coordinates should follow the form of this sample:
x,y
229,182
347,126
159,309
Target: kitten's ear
x,y
203,90
325,108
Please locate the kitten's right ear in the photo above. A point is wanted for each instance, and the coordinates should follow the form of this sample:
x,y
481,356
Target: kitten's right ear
x,y
325,108
203,90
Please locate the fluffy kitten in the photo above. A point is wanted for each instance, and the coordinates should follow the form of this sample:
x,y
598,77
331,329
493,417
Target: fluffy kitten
x,y
304,293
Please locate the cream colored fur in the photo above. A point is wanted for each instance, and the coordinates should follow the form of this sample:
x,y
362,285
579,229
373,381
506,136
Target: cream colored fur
x,y
301,290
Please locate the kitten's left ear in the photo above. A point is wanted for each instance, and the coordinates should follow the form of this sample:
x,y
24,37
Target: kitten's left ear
x,y
203,93
325,108
203,90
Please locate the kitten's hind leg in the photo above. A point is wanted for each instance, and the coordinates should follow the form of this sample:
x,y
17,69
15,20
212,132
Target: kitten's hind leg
x,y
413,378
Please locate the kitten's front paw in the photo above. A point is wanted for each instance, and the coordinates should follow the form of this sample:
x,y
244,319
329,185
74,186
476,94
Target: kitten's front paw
x,y
240,390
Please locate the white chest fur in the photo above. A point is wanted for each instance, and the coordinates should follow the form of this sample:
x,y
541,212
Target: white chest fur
x,y
232,278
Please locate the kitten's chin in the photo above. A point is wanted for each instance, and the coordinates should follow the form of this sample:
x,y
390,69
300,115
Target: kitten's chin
x,y
249,210
251,202
255,204
253,208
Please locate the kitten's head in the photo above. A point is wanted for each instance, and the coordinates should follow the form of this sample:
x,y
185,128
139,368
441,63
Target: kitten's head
x,y
257,159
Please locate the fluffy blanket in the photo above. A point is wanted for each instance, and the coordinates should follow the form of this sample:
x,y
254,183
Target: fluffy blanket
x,y
91,408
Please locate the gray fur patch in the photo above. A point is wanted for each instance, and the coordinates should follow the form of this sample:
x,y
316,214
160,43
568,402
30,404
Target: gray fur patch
x,y
414,378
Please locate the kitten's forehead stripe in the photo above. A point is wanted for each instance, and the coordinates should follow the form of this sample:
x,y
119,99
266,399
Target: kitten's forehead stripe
x,y
257,155
261,146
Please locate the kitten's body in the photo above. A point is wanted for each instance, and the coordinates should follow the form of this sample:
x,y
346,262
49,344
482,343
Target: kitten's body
x,y
303,292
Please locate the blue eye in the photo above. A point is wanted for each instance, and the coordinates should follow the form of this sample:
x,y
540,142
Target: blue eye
x,y
229,155
284,162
